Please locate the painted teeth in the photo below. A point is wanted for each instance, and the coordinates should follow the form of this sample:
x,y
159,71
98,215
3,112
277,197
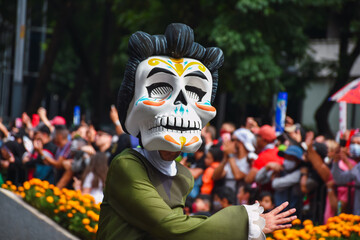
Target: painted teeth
x,y
171,121
178,121
164,121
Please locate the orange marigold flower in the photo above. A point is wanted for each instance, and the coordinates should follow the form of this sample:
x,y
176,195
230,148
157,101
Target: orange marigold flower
x,y
56,211
86,221
8,182
27,185
4,185
50,199
13,187
296,222
70,215
38,195
22,194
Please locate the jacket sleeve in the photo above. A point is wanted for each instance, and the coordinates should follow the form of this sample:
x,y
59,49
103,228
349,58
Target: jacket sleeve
x,y
341,177
132,196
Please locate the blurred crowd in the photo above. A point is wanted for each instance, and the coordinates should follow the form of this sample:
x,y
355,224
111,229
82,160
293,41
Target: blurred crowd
x,y
320,177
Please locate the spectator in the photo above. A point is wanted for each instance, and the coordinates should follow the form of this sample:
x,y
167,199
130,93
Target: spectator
x,y
196,165
94,177
266,201
268,152
223,197
202,205
237,158
44,153
212,160
285,180
244,194
209,134
353,174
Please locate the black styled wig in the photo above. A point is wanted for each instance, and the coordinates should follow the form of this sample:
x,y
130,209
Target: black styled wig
x,y
177,42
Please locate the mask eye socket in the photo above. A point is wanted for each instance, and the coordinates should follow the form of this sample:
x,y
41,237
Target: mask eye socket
x,y
159,90
194,93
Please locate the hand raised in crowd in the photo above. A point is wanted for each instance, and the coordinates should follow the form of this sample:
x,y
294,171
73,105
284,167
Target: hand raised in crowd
x,y
309,138
67,164
229,147
38,145
296,135
77,183
25,118
88,149
42,113
276,167
114,114
276,220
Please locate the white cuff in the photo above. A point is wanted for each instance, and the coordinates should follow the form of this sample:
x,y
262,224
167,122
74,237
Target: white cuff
x,y
256,223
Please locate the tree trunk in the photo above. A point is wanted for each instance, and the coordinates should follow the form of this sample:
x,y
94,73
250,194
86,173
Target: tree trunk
x,y
346,62
50,56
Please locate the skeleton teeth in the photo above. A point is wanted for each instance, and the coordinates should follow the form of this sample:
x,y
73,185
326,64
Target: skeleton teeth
x,y
178,121
185,124
164,121
192,123
158,121
171,121
197,125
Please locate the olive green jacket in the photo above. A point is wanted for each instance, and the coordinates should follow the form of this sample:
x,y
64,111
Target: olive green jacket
x,y
142,203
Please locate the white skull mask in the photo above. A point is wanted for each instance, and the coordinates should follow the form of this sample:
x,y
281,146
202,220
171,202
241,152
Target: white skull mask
x,y
171,103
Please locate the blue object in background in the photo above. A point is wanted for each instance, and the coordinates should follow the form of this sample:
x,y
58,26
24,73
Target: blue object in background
x,y
280,116
77,116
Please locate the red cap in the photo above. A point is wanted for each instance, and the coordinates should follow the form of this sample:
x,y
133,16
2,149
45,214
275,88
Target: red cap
x,y
267,132
58,121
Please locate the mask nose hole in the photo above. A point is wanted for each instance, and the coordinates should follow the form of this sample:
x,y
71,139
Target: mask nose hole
x,y
180,99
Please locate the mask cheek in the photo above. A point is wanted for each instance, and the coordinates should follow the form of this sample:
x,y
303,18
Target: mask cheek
x,y
141,114
206,112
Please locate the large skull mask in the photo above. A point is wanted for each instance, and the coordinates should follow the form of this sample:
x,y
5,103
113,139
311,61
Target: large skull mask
x,y
171,103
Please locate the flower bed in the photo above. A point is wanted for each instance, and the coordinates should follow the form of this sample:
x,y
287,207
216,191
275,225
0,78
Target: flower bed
x,y
71,209
80,215
344,226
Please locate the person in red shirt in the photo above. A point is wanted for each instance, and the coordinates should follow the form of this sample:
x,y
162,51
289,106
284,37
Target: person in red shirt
x,y
268,152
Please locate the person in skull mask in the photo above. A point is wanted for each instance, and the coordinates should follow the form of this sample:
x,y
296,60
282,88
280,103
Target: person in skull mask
x,y
353,174
165,100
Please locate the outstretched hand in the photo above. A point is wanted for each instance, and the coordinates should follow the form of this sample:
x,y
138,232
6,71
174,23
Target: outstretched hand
x,y
275,220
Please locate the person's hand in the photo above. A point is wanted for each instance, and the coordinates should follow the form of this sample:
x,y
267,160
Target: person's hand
x,y
26,158
343,154
276,167
309,138
274,220
114,114
66,163
4,164
296,135
38,145
184,161
88,149
42,113
77,183
229,147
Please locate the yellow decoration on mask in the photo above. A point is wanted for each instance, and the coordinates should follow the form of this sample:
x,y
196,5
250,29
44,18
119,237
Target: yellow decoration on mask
x,y
182,141
179,68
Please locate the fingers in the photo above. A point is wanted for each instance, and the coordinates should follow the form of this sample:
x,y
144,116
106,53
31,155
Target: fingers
x,y
285,220
285,214
280,208
278,227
